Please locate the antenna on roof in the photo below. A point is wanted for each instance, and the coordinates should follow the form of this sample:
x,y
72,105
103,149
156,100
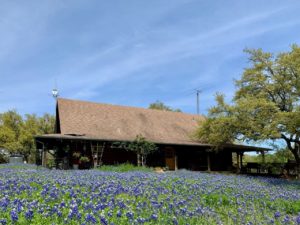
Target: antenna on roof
x,y
55,92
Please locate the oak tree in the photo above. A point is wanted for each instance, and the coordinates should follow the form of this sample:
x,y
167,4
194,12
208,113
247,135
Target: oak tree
x,y
266,104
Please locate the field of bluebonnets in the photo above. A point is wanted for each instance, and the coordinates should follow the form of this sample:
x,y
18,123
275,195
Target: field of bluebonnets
x,y
39,196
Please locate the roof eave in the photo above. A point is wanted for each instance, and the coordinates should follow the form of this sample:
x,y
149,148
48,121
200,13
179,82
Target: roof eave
x,y
87,138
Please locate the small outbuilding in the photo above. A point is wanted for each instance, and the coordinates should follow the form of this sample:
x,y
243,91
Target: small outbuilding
x,y
90,129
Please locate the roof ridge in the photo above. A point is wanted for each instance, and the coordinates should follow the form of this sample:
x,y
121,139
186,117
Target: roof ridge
x,y
130,107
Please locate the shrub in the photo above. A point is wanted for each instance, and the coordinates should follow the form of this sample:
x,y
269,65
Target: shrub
x,y
126,167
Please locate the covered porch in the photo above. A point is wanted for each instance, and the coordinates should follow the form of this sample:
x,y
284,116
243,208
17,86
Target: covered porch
x,y
68,152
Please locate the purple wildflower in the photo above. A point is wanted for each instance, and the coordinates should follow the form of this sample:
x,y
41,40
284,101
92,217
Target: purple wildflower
x,y
277,215
298,219
90,218
29,214
14,216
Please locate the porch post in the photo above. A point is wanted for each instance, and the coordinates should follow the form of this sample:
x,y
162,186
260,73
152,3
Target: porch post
x,y
263,157
44,158
208,162
40,152
176,160
241,160
238,162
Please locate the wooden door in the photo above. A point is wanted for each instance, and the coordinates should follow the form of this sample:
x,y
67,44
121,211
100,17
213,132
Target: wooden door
x,y
170,158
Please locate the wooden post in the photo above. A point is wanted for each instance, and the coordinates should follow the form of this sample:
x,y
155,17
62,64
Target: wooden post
x,y
208,162
42,157
100,162
176,161
238,162
241,160
263,157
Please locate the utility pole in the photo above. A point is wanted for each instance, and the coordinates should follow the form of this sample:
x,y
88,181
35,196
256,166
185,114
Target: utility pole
x,y
198,92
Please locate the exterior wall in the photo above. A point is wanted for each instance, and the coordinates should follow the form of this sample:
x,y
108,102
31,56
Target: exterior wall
x,y
221,161
174,157
192,159
117,156
196,159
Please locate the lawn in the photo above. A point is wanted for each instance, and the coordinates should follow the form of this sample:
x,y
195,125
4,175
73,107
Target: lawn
x,y
39,196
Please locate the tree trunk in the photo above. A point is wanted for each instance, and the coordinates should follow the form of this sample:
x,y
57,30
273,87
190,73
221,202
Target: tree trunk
x,y
297,168
296,152
26,158
143,160
298,171
138,159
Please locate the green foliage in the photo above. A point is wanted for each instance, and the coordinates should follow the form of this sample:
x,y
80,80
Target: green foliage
x,y
84,159
280,156
17,133
50,163
161,106
140,146
4,156
266,105
126,167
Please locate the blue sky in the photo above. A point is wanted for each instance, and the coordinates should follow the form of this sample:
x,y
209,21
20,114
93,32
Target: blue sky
x,y
134,52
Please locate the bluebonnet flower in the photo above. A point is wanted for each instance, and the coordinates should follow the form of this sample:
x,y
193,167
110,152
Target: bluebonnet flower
x,y
90,218
130,215
175,221
277,215
109,213
3,221
4,202
286,219
141,220
154,216
62,204
59,213
14,215
103,221
94,194
119,213
29,214
298,219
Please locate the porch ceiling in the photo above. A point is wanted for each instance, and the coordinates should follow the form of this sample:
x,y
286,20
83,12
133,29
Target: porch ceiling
x,y
231,147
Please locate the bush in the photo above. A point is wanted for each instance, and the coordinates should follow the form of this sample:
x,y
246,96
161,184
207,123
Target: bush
x,y
126,167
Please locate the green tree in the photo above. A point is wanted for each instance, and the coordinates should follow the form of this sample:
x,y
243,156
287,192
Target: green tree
x,y
29,129
161,106
46,124
265,106
17,133
4,156
280,156
140,146
10,131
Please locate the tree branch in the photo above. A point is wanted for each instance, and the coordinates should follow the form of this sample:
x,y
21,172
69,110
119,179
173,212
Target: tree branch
x,y
288,141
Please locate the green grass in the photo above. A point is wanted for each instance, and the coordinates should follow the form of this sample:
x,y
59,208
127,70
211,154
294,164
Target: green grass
x,y
126,167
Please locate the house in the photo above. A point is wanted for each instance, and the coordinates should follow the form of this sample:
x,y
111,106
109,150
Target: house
x,y
91,129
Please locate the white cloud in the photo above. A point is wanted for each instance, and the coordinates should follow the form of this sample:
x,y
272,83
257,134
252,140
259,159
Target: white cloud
x,y
148,43
130,60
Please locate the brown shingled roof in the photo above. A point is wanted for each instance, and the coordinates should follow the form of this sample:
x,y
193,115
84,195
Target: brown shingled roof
x,y
112,122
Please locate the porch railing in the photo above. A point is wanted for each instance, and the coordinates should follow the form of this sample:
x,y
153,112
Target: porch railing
x,y
288,168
